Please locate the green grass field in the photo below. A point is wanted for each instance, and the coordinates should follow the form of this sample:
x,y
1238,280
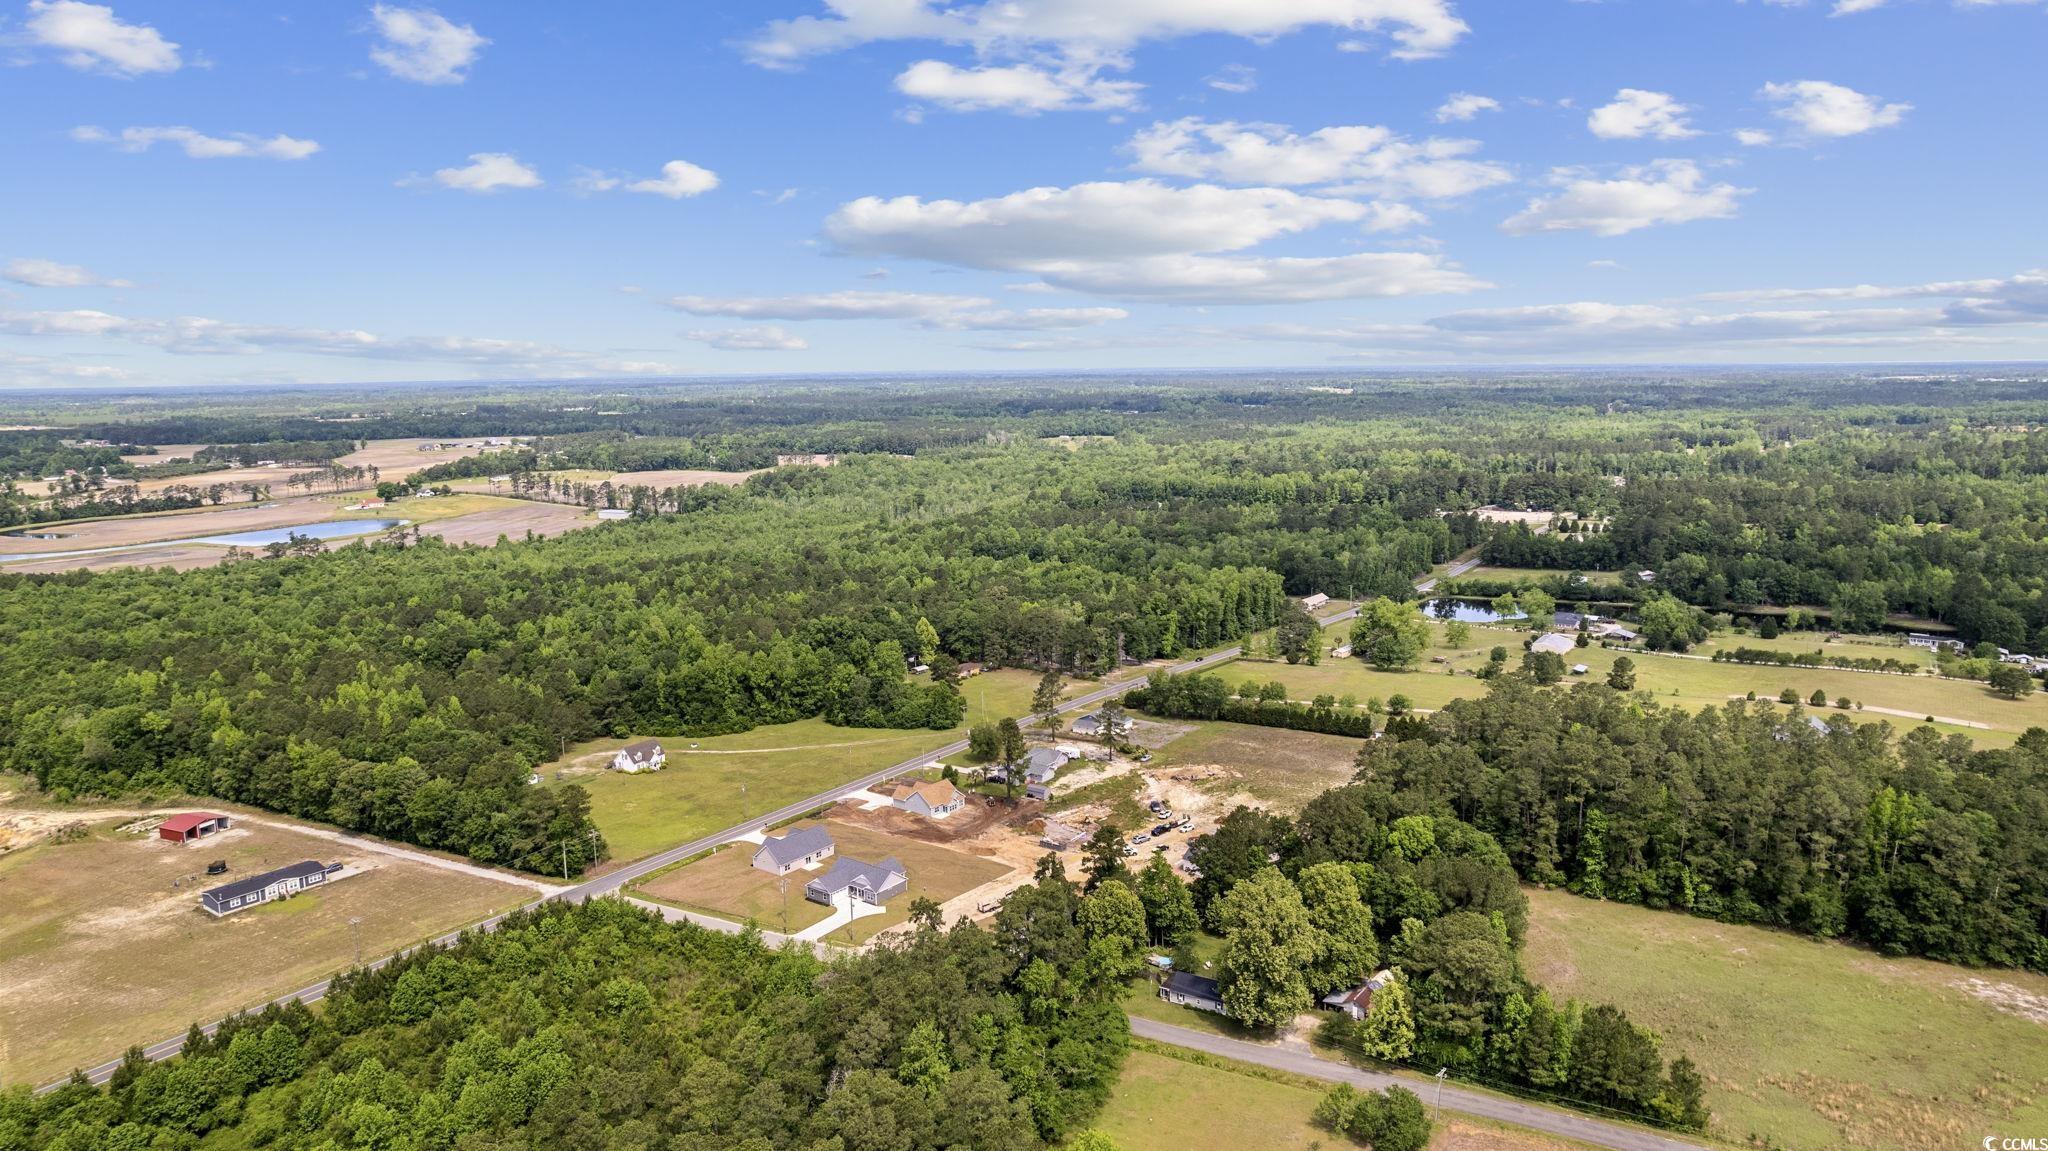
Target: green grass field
x,y
1539,575
719,781
727,884
1690,683
1173,1100
1815,1045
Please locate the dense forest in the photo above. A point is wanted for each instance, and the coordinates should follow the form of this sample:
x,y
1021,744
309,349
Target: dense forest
x,y
599,1027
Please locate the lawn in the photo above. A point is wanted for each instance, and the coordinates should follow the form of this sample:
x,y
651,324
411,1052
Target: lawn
x,y
1816,1045
99,952
1284,769
1691,683
727,884
1536,576
723,780
1170,1100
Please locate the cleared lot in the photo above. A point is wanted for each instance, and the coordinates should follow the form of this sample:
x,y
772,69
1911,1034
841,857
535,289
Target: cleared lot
x,y
98,949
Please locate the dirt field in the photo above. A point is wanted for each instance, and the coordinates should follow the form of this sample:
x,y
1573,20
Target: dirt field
x,y
127,530
728,884
99,951
682,477
165,453
1275,768
395,459
511,522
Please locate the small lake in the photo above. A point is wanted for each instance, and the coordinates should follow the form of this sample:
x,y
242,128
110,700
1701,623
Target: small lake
x,y
322,530
1466,611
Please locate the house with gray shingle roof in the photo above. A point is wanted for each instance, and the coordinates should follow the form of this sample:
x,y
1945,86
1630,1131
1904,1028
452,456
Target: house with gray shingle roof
x,y
797,848
863,882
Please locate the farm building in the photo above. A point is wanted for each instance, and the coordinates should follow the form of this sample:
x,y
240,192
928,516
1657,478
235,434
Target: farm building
x,y
1193,991
933,800
1556,643
279,884
1314,601
859,881
645,755
192,825
800,847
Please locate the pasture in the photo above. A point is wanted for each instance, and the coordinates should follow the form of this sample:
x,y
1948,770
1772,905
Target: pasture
x,y
1812,1044
98,951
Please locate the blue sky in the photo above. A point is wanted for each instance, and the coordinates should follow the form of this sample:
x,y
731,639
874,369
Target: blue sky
x,y
259,193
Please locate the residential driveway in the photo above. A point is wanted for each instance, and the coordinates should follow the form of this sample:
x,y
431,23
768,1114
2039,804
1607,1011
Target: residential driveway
x,y
845,909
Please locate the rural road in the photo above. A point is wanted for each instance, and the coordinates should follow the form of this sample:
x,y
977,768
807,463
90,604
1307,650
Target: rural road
x,y
612,882
1568,1124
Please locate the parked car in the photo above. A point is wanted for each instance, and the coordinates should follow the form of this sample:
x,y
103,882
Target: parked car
x,y
217,867
1139,838
1187,824
1162,829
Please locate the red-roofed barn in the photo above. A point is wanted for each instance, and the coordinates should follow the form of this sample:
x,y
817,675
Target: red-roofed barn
x,y
192,825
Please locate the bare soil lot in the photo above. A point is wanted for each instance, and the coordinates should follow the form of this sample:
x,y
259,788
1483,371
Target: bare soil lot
x,y
99,951
681,477
513,523
394,459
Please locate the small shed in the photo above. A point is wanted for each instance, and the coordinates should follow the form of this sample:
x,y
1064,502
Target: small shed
x,y
191,826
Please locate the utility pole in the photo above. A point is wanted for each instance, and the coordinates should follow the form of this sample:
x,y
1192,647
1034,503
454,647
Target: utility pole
x,y
1441,1072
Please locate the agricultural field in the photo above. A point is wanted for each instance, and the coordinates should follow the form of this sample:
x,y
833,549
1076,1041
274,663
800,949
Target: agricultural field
x,y
98,949
1691,681
722,780
393,459
1816,1045
727,884
1245,1107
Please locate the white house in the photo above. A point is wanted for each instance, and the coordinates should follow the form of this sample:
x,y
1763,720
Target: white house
x,y
644,755
932,800
1315,601
1357,1001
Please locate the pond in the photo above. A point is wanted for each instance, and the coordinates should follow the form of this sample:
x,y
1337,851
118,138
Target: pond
x,y
321,530
1467,611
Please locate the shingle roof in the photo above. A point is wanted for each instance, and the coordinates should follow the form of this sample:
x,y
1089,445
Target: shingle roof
x,y
936,794
257,883
642,749
1183,983
798,843
849,871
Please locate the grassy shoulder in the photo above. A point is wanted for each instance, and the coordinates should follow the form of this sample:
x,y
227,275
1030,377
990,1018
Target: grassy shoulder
x,y
1811,1044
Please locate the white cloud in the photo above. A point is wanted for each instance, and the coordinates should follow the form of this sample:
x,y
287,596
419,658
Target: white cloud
x,y
1143,240
926,309
198,335
421,45
1092,29
763,338
51,274
1234,78
486,172
92,39
1851,7
1362,158
1665,192
1818,108
199,145
1464,106
1636,113
1754,137
678,179
1019,88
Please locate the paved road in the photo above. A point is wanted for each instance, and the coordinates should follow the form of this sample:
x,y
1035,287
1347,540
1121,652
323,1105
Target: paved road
x,y
612,881
1568,1124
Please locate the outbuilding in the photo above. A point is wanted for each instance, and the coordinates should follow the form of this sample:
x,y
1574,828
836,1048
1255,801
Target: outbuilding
x,y
191,826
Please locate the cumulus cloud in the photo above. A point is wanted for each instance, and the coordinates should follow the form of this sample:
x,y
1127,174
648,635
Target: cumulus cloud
x,y
1021,88
1464,106
1636,113
1359,158
198,335
485,172
1142,239
199,145
761,338
92,39
679,179
1236,79
1817,108
928,310
421,45
51,274
1666,192
1090,29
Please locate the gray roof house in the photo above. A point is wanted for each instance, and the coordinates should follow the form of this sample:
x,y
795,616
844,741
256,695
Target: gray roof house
x,y
285,881
1572,621
799,847
1091,724
864,882
642,755
1193,991
1042,763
